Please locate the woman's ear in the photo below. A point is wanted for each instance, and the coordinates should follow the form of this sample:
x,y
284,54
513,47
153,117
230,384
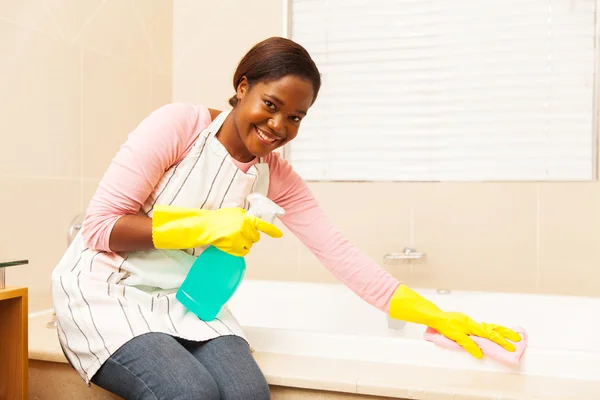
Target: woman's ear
x,y
242,89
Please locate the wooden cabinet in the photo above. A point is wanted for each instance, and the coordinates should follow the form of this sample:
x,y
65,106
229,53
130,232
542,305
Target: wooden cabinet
x,y
13,343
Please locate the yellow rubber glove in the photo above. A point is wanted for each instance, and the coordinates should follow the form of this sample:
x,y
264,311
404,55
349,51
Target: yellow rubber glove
x,y
407,305
231,230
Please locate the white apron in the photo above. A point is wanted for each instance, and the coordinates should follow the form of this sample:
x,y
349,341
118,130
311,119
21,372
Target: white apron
x,y
102,299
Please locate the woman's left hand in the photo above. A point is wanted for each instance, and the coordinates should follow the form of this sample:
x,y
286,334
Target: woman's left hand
x,y
407,305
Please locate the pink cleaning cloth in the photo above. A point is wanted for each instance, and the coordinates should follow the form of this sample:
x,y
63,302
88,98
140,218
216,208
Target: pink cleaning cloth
x,y
489,348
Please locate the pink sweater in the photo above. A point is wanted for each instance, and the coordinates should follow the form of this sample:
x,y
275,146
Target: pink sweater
x,y
164,138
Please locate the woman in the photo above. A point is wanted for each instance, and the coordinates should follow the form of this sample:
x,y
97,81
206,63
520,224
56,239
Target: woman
x,y
120,324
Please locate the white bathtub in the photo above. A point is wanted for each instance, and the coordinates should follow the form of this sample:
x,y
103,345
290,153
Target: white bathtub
x,y
324,337
329,321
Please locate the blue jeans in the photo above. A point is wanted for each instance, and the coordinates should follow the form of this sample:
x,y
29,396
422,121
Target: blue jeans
x,y
158,366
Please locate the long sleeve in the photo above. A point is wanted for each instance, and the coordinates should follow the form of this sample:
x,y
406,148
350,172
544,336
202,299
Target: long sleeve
x,y
309,223
161,140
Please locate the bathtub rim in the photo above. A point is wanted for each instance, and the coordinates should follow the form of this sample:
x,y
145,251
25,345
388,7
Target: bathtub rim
x,y
369,378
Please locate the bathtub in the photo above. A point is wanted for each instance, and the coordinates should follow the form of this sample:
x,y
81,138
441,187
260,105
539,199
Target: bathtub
x,y
328,321
324,337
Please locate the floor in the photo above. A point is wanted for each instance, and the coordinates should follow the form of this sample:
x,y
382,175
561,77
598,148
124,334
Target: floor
x,y
53,381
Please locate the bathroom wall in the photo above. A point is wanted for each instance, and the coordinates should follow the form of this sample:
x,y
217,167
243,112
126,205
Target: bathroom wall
x,y
77,77
82,74
522,237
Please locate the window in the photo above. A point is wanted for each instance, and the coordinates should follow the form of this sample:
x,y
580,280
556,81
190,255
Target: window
x,y
438,90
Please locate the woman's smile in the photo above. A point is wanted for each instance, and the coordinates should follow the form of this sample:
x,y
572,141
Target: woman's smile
x,y
266,137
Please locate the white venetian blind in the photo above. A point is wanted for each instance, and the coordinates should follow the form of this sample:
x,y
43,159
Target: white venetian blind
x,y
420,90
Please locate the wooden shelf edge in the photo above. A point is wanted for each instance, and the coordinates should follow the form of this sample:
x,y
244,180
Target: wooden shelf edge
x,y
11,292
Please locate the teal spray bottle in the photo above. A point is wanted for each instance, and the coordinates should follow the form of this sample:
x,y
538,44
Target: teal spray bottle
x,y
215,275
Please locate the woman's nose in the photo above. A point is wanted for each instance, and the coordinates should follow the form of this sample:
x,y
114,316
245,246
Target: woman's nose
x,y
276,124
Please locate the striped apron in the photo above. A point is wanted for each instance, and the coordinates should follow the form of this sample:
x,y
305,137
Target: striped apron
x,y
104,299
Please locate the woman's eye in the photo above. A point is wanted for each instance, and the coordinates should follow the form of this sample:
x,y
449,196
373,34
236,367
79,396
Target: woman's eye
x,y
295,119
269,104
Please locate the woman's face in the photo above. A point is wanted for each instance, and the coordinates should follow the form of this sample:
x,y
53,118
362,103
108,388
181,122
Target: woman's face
x,y
268,114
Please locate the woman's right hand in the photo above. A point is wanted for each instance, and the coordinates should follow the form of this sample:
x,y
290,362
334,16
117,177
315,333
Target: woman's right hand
x,y
231,230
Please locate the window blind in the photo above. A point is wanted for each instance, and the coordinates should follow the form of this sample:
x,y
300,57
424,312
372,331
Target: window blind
x,y
438,90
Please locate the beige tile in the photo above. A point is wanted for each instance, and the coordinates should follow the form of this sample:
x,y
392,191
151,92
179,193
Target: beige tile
x,y
116,30
274,259
32,14
374,217
43,341
39,298
161,90
479,236
290,393
569,232
89,187
36,215
350,396
116,97
40,104
49,380
211,84
186,30
157,20
72,15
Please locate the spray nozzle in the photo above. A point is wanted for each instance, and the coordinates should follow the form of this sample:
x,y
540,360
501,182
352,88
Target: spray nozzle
x,y
264,208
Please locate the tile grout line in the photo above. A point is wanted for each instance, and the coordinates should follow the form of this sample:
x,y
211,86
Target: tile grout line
x,y
31,29
81,127
61,37
88,21
142,66
538,270
124,60
411,226
143,26
298,268
54,21
190,47
40,177
81,47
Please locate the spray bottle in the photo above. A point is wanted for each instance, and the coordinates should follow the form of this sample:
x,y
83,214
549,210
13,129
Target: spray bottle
x,y
215,275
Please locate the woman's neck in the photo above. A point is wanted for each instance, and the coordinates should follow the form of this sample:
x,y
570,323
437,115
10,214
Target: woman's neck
x,y
229,137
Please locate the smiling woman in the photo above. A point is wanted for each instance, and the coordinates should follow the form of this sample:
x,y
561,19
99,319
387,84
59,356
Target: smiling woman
x,y
276,83
267,116
179,184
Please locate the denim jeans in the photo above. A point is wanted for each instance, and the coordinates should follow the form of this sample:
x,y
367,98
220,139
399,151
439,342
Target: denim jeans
x,y
158,366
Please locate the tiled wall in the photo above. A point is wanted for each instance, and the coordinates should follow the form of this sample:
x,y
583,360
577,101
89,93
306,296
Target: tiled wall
x,y
82,74
76,78
525,237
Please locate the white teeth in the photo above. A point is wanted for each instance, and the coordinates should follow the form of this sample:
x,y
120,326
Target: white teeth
x,y
264,137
